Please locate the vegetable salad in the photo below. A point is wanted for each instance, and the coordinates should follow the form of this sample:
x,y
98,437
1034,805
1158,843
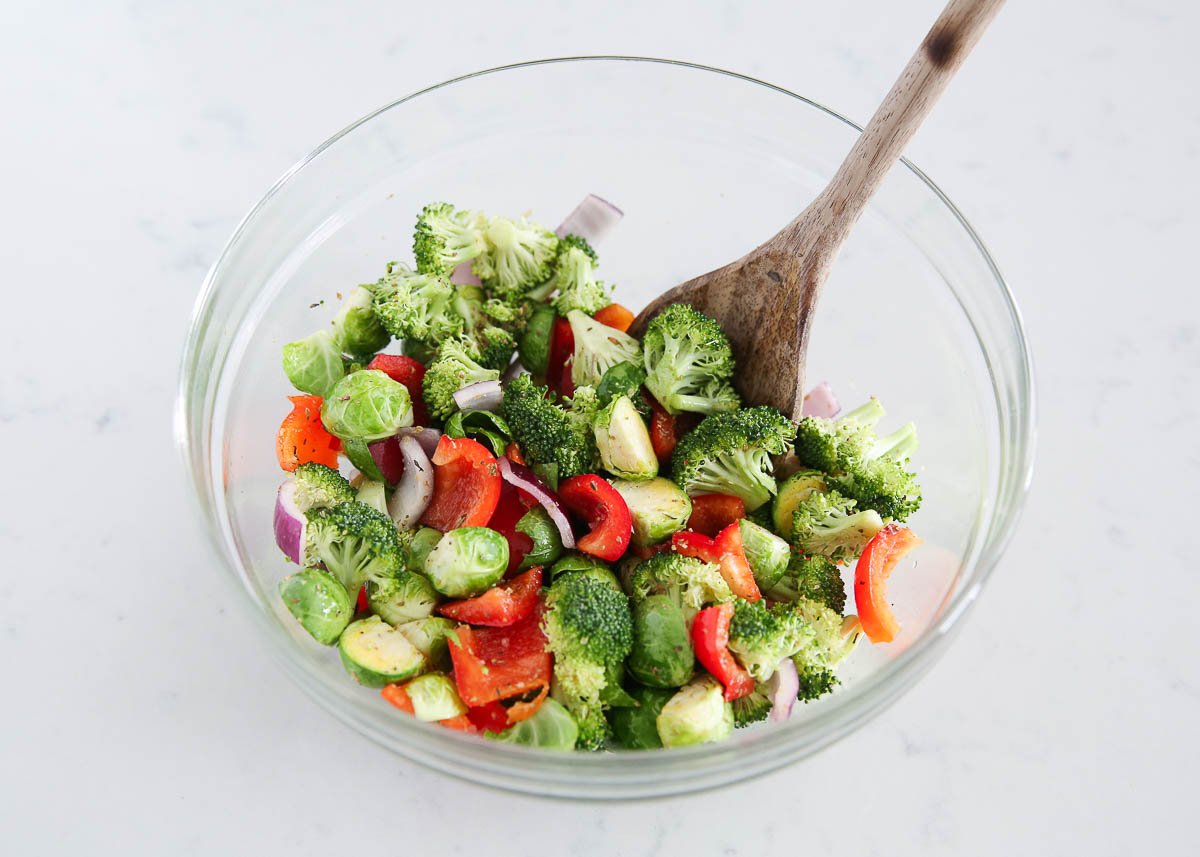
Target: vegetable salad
x,y
515,519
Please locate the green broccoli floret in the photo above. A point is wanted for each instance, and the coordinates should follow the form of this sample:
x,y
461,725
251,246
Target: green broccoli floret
x,y
864,467
318,486
752,708
517,256
826,645
689,362
589,630
826,524
456,365
760,637
415,306
816,578
731,454
575,278
689,582
598,348
547,433
496,347
355,542
490,324
445,237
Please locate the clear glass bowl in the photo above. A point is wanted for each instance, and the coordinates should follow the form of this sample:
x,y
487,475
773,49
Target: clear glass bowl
x,y
706,164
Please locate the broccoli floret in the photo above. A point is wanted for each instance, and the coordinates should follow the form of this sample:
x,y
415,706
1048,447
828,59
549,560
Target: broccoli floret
x,y
415,306
731,454
760,637
689,582
816,578
355,543
826,524
575,278
517,256
825,646
589,630
489,324
752,708
496,347
456,365
598,347
318,486
862,466
689,362
547,433
444,238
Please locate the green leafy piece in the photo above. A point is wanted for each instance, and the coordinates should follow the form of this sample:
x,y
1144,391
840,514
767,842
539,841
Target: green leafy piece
x,y
359,453
319,603
356,329
636,727
731,454
418,547
576,562
551,727
623,379
373,494
547,543
366,405
430,635
689,362
484,426
314,364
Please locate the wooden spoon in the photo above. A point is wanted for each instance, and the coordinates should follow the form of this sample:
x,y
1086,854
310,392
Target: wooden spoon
x,y
765,299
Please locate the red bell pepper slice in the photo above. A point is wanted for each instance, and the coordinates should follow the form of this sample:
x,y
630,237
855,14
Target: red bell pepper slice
x,y
362,604
663,431
506,603
562,348
878,559
302,437
498,663
712,513
615,315
727,552
509,511
513,453
466,485
609,521
410,373
710,639
398,696
492,717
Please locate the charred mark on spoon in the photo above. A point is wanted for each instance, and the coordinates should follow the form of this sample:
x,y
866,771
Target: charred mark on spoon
x,y
774,277
941,45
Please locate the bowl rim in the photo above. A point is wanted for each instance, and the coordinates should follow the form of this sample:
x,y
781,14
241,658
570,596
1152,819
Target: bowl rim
x,y
876,693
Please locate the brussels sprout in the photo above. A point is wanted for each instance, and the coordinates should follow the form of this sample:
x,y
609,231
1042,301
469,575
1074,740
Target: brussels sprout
x,y
547,543
434,697
489,429
659,508
623,441
467,561
402,599
767,553
548,473
621,379
792,492
357,330
429,636
662,650
373,494
376,654
575,562
313,365
534,346
366,405
636,727
319,602
423,541
551,727
696,714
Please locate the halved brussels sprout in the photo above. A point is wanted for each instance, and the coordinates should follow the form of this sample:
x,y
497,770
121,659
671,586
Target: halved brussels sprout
x,y
662,649
319,602
547,543
373,494
696,714
401,599
376,654
623,441
636,727
659,508
313,365
366,405
792,492
767,553
551,727
434,697
357,330
423,541
429,636
467,561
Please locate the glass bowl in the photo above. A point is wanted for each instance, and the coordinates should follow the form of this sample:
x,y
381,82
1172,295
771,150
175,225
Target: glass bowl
x,y
706,164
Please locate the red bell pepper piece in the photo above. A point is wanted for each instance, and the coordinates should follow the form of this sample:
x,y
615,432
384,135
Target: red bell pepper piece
x,y
710,639
302,437
461,723
492,717
615,315
398,696
410,373
509,511
712,513
513,453
663,430
362,605
878,559
727,552
519,711
598,503
506,603
466,485
498,663
562,349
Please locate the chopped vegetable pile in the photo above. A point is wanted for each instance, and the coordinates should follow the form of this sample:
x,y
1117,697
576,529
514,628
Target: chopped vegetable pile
x,y
556,535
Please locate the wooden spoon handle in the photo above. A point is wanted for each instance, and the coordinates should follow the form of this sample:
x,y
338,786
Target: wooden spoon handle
x,y
949,41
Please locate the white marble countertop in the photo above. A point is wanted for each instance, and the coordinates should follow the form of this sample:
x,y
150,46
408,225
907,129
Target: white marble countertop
x,y
137,134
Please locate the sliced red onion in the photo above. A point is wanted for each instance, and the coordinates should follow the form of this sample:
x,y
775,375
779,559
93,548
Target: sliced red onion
x,y
480,396
514,369
591,220
820,402
427,437
411,497
462,275
784,687
290,522
520,476
388,459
